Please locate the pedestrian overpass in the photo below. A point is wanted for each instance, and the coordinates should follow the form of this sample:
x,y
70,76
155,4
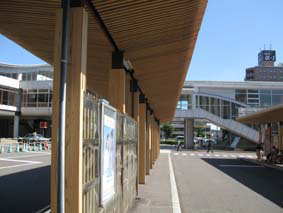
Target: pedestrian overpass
x,y
229,124
218,109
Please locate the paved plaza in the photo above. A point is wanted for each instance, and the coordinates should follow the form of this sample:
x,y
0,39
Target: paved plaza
x,y
219,182
186,181
24,182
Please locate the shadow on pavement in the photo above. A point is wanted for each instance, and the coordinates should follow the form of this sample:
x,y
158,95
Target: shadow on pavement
x,y
26,191
267,182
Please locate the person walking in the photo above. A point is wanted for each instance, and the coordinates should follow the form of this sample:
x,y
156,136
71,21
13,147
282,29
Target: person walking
x,y
179,145
209,146
259,151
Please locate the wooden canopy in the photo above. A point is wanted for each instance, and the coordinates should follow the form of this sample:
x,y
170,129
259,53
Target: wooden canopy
x,y
158,37
272,114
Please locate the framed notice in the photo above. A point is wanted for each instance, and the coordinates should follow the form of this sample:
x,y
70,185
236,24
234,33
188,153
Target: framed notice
x,y
108,153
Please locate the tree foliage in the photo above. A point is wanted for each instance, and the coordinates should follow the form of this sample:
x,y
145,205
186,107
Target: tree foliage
x,y
167,129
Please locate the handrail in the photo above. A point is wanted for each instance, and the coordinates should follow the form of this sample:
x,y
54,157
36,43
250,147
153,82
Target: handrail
x,y
230,124
222,98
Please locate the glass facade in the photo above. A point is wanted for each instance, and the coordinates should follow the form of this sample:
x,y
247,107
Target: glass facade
x,y
29,76
10,75
217,106
252,98
185,102
7,97
37,76
259,98
36,98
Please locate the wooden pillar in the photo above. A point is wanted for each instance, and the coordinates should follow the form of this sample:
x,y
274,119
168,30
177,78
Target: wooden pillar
x,y
148,142
117,83
158,132
136,105
156,141
128,95
280,136
142,139
152,143
55,109
76,85
135,113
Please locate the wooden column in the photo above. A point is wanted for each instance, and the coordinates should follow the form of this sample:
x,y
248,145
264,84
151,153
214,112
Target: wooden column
x,y
156,141
55,109
117,83
129,95
142,140
135,112
136,105
76,85
148,142
280,136
152,142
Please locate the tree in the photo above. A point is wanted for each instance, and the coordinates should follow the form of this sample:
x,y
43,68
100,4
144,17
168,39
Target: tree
x,y
200,132
167,129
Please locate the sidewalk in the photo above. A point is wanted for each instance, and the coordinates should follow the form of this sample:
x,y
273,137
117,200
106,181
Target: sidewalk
x,y
155,195
262,163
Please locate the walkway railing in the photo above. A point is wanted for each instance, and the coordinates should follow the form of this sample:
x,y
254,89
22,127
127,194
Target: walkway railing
x,y
229,124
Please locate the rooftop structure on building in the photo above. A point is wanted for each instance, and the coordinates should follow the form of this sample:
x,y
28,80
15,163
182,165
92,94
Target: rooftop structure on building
x,y
266,69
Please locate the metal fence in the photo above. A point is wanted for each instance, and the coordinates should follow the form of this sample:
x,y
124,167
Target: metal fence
x,y
126,160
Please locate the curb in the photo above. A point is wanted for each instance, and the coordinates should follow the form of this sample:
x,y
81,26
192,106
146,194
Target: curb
x,y
262,164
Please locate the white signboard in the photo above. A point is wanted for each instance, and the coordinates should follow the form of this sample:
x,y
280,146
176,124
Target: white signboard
x,y
108,154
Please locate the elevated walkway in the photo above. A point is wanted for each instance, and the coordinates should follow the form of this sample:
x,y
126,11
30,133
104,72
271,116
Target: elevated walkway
x,y
228,124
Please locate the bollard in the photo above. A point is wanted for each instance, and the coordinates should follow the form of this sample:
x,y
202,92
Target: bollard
x,y
18,148
28,147
40,147
10,148
1,149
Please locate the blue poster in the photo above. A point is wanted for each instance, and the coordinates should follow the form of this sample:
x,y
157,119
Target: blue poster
x,y
108,155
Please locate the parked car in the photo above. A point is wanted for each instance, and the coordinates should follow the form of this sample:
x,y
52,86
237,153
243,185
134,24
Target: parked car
x,y
32,137
181,138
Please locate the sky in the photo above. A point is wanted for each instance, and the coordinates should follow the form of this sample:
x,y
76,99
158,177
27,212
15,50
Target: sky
x,y
12,53
231,35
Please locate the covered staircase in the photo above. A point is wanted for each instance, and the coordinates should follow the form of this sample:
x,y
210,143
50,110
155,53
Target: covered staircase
x,y
229,124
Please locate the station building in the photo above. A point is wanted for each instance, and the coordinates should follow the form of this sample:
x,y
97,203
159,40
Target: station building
x,y
221,102
26,100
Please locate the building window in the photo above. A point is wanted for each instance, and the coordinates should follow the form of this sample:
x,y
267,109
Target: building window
x,y
241,95
7,97
36,98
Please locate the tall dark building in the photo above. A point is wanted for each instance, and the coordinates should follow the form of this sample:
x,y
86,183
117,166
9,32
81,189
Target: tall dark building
x,y
265,70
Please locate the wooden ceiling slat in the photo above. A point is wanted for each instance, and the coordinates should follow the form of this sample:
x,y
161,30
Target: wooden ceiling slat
x,y
156,21
145,8
158,37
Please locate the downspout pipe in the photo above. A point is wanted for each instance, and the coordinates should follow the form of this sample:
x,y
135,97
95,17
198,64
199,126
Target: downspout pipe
x,y
62,107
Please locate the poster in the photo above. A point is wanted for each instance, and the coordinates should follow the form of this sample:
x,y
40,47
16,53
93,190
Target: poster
x,y
108,154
